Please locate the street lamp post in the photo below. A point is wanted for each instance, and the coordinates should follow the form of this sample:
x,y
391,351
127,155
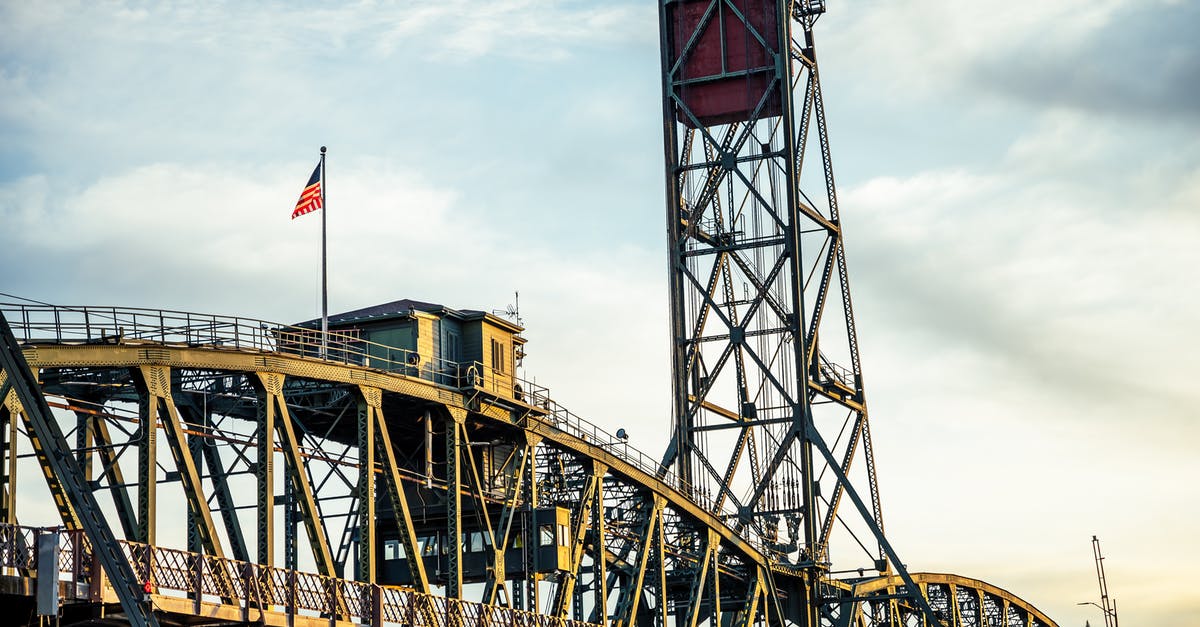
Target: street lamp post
x,y
1110,615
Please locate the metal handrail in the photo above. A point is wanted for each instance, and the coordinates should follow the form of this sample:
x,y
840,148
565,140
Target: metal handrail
x,y
183,574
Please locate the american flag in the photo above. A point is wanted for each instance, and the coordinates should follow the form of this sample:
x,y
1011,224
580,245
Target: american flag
x,y
310,198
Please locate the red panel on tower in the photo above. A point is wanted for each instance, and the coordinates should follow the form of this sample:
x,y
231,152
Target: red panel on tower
x,y
725,83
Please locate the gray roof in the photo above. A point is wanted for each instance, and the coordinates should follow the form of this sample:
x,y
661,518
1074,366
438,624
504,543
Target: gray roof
x,y
395,309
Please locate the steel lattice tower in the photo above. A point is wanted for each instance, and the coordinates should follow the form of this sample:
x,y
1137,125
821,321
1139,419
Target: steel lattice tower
x,y
764,361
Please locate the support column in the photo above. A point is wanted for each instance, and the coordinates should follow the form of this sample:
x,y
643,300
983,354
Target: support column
x,y
660,573
399,501
580,523
216,470
155,385
699,583
368,405
530,541
9,407
454,442
111,470
269,388
147,448
600,556
195,450
498,575
272,384
631,594
84,441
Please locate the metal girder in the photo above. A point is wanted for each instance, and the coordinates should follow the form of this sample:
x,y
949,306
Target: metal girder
x,y
10,407
584,509
147,455
700,580
291,446
155,383
276,411
216,470
754,591
454,531
83,444
819,444
631,594
264,467
369,404
391,473
497,575
110,468
47,438
58,491
599,556
530,495
658,543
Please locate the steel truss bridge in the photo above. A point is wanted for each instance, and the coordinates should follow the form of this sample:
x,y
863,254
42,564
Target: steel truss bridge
x,y
213,470
226,404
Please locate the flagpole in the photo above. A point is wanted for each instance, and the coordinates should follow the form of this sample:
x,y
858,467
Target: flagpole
x,y
324,273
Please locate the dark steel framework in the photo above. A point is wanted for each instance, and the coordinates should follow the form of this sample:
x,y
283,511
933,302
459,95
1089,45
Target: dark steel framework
x,y
453,472
403,495
765,355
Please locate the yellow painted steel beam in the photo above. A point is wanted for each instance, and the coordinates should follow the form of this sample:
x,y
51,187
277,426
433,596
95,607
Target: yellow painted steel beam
x,y
156,380
111,470
264,467
368,408
580,523
701,579
10,407
391,473
627,613
130,355
454,445
66,513
295,471
882,583
497,575
133,355
600,553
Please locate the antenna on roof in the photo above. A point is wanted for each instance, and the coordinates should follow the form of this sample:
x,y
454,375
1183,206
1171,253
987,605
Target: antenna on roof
x,y
513,311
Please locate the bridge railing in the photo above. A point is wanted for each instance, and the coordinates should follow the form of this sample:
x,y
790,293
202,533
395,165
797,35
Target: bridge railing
x,y
112,325
251,587
566,420
116,325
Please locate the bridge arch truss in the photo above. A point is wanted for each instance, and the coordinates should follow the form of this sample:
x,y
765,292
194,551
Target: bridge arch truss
x,y
349,470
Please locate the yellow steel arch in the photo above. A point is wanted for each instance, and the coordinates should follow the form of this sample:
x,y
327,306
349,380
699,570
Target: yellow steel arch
x,y
866,601
532,418
957,585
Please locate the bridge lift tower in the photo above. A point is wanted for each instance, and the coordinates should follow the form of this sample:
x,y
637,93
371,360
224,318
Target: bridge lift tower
x,y
765,358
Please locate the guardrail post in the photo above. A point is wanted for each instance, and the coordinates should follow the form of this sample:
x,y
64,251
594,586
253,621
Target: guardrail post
x,y
330,600
198,582
76,540
96,583
247,586
291,597
376,606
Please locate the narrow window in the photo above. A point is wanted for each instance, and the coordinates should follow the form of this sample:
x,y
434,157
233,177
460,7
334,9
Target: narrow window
x,y
392,550
546,535
428,545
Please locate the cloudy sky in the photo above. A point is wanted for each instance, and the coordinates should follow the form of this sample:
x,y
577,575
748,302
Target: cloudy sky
x,y
1019,182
